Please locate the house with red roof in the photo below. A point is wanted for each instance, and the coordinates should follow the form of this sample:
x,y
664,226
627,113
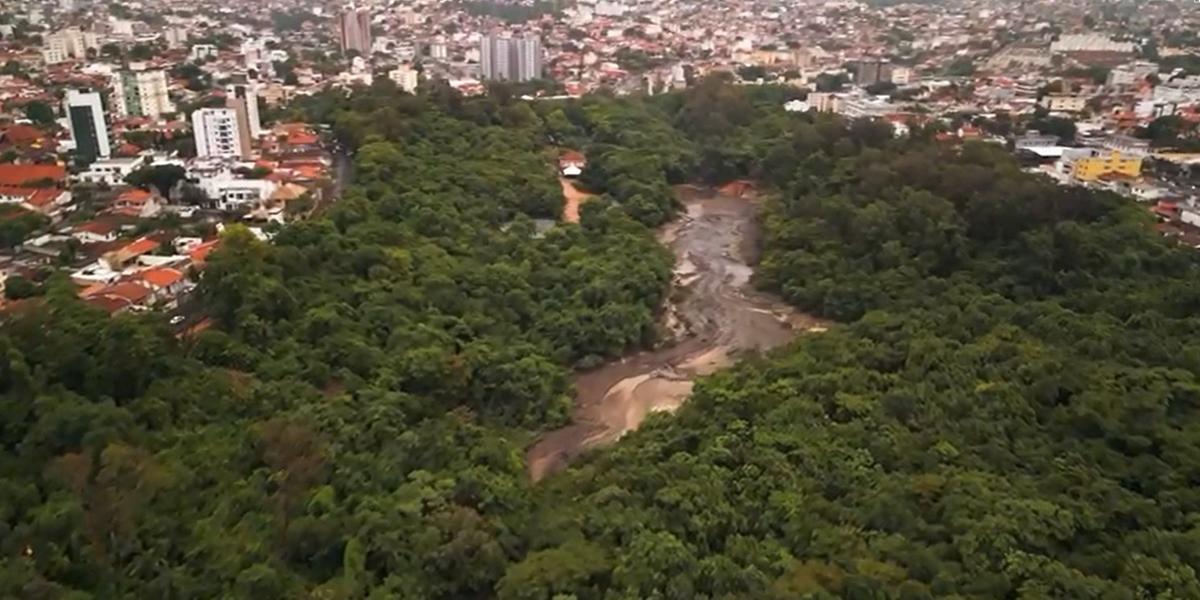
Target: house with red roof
x,y
21,136
166,283
572,163
26,175
121,257
120,296
199,254
136,203
110,304
97,231
45,200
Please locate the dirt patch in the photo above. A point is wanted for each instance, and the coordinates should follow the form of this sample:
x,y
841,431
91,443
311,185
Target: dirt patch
x,y
716,316
572,198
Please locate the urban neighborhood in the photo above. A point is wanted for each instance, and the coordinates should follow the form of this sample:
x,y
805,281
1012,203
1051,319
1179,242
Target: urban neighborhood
x,y
132,133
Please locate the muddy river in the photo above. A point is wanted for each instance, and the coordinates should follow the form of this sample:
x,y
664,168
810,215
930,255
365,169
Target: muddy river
x,y
715,315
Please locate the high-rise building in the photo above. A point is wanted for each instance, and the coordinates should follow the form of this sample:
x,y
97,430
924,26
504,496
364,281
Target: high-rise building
x,y
176,37
529,58
141,93
406,78
872,71
218,135
510,59
243,99
354,30
70,43
439,50
89,132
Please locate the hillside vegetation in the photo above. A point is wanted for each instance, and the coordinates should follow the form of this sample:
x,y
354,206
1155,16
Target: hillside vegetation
x,y
1009,409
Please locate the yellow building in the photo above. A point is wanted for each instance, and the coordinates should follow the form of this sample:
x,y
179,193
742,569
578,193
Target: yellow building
x,y
1091,164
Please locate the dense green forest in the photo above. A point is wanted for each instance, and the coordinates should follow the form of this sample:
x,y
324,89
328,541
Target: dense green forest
x,y
1008,411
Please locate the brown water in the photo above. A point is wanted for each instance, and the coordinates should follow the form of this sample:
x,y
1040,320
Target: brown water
x,y
716,316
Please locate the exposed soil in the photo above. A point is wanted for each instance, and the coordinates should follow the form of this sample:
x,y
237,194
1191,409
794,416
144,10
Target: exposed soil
x,y
715,316
572,198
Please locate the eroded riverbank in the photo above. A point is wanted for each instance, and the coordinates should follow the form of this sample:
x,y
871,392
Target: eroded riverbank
x,y
716,314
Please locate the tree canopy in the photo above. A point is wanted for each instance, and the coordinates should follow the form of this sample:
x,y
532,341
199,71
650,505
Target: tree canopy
x,y
1007,409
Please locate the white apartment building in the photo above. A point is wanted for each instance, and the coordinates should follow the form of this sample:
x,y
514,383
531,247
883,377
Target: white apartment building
x,y
858,107
203,51
1064,103
141,94
503,58
406,78
228,191
67,44
121,27
176,36
110,171
823,101
217,133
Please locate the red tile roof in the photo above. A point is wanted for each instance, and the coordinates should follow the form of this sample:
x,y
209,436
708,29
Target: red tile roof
x,y
302,138
200,253
11,174
109,304
161,277
134,196
140,247
23,134
129,291
35,197
128,149
97,227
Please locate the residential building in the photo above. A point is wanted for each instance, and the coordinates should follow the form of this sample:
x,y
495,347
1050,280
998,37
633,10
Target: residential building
x,y
406,78
122,28
439,51
238,195
1090,42
67,44
203,51
89,131
109,171
141,93
243,99
354,30
12,174
872,71
136,203
855,106
175,36
572,163
823,101
45,200
1094,49
97,231
1127,145
1057,103
511,59
1131,74
1090,164
1035,139
218,134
